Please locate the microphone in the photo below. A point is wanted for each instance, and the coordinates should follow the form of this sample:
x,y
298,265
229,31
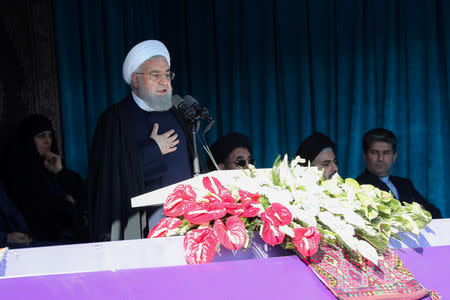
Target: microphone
x,y
202,112
186,109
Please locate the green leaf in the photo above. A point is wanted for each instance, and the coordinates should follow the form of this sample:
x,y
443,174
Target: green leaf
x,y
393,204
384,209
364,199
377,241
264,201
353,184
372,212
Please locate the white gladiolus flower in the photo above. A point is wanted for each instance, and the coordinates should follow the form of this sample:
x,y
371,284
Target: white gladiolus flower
x,y
278,196
368,251
311,206
335,223
285,174
354,219
250,184
332,186
303,215
351,197
349,240
333,206
296,161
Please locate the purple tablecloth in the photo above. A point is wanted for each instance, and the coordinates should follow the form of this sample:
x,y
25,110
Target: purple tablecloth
x,y
271,278
430,266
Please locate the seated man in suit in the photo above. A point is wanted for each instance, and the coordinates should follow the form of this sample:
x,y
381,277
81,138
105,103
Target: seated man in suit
x,y
318,150
232,151
380,153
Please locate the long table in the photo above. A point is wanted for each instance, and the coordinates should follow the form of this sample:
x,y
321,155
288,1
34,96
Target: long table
x,y
149,269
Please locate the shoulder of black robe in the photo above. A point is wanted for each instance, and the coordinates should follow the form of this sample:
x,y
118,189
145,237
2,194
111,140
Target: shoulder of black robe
x,y
115,174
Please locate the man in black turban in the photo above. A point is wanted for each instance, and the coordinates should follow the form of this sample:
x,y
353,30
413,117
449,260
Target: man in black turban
x,y
318,150
232,151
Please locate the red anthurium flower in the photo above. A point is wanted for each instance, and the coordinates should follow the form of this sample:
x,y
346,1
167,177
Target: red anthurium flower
x,y
217,210
200,245
244,195
161,229
232,236
187,190
201,213
175,205
233,208
179,200
216,188
270,232
212,198
251,208
279,214
307,240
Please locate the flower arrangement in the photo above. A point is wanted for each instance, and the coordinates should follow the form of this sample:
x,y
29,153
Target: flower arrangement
x,y
291,206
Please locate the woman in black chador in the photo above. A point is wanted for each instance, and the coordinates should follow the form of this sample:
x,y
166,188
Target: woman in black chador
x,y
51,197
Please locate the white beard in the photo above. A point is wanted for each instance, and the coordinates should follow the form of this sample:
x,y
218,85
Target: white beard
x,y
156,102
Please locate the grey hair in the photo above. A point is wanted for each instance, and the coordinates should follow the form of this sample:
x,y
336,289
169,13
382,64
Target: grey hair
x,y
326,149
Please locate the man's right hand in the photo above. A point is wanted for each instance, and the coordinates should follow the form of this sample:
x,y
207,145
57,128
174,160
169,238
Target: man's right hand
x,y
18,238
167,141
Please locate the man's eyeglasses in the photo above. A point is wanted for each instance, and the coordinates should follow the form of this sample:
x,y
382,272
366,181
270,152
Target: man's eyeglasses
x,y
157,76
243,162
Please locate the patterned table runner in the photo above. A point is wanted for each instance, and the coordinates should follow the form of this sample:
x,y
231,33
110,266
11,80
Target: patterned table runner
x,y
350,278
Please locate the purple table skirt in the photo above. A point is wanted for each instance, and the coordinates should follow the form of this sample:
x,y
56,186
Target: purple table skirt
x,y
271,278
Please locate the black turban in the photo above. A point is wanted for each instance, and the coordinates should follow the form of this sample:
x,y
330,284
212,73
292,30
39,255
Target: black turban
x,y
312,146
225,145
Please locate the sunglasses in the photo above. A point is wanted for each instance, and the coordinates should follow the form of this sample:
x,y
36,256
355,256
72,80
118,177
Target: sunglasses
x,y
243,162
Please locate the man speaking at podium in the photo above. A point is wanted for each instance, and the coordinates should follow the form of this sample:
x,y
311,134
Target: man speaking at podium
x,y
140,144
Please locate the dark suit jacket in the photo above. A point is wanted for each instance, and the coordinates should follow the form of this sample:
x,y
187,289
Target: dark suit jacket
x,y
405,189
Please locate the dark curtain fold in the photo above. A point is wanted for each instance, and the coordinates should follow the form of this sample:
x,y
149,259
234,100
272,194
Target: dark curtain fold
x,y
277,71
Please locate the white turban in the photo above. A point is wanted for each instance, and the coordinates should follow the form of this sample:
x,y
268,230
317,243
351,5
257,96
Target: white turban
x,y
139,54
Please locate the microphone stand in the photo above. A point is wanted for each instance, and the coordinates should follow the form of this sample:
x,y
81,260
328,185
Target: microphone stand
x,y
196,161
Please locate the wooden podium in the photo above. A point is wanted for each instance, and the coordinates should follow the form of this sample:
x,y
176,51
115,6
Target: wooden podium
x,y
158,197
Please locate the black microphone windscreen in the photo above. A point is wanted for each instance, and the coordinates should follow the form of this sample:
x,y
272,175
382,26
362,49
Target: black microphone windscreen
x,y
190,100
177,100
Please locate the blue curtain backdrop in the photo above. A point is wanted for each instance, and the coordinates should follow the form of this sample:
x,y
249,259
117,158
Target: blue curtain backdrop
x,y
277,71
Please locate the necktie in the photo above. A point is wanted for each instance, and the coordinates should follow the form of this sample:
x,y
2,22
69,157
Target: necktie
x,y
390,185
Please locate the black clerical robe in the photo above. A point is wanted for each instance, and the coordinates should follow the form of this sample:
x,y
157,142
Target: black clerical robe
x,y
116,174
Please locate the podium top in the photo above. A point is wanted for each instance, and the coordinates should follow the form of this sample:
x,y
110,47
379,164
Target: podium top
x,y
159,196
